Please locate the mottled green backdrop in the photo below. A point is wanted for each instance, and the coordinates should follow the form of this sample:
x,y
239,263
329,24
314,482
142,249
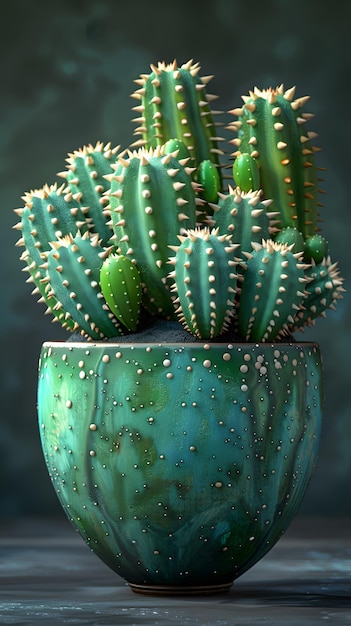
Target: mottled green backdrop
x,y
67,69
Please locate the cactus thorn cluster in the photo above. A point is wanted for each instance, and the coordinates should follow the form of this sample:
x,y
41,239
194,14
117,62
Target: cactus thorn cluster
x,y
155,228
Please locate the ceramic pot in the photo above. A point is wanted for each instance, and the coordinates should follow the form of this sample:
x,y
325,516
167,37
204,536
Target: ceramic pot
x,y
180,465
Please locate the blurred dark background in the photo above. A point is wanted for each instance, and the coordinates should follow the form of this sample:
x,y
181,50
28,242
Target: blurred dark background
x,y
66,73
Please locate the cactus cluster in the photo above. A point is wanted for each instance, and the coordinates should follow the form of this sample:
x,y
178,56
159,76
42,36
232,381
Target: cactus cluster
x,y
154,227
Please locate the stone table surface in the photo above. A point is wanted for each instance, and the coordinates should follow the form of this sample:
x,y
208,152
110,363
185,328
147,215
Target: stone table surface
x,y
48,575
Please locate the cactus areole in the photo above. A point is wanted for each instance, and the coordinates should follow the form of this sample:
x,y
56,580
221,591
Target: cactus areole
x,y
180,423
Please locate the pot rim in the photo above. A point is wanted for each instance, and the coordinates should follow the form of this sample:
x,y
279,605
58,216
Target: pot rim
x,y
183,344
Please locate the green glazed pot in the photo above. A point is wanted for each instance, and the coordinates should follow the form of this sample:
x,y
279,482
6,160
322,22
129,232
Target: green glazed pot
x,y
180,465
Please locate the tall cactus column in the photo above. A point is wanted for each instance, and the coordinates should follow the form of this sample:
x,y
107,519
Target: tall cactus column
x,y
174,105
271,128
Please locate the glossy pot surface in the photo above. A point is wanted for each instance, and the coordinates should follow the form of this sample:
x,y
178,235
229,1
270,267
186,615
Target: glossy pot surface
x,y
180,465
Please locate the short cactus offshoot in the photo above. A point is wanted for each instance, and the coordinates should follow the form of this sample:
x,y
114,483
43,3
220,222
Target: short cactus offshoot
x,y
205,290
153,227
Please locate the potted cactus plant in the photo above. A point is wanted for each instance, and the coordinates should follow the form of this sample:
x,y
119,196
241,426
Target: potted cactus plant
x,y
180,421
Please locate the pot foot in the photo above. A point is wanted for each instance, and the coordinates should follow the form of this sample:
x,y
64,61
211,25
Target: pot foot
x,y
180,590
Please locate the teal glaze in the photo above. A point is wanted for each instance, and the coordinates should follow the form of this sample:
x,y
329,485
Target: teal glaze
x,y
180,465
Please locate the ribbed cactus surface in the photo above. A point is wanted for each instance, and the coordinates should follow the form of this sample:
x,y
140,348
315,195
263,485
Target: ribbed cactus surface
x,y
270,127
152,200
272,290
245,216
174,104
48,213
73,266
205,282
86,177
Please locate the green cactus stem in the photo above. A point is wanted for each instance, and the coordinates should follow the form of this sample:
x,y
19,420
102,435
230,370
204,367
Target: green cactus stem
x,y
246,173
245,216
176,145
270,127
291,237
48,213
121,286
85,177
208,178
205,281
152,200
324,288
174,104
271,291
316,248
73,274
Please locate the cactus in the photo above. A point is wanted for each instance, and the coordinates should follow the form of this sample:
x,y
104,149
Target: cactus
x,y
271,292
121,286
205,282
152,199
208,178
85,177
292,237
245,216
48,213
73,266
271,129
247,259
246,173
323,289
174,104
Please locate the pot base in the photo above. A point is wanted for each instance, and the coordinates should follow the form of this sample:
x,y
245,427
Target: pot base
x,y
179,590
